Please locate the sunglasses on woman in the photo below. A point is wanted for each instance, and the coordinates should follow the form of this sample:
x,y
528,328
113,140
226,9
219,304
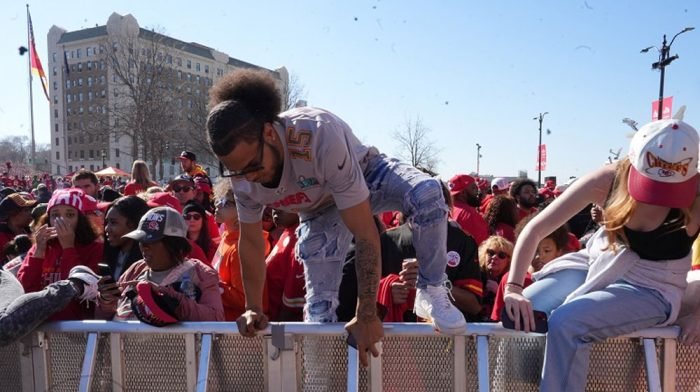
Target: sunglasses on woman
x,y
192,216
178,189
499,254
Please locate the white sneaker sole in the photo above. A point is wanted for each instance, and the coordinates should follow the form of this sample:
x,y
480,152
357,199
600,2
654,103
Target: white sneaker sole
x,y
448,331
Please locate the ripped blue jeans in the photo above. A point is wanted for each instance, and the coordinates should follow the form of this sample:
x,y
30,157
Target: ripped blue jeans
x,y
324,240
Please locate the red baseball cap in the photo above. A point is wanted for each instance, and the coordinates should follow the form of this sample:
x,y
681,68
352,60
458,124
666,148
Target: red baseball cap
x,y
460,182
164,199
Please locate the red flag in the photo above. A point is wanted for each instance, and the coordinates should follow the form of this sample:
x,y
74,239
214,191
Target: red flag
x,y
37,69
541,158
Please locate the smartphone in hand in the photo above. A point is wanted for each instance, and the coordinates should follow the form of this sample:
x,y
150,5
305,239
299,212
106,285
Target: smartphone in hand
x,y
103,269
540,321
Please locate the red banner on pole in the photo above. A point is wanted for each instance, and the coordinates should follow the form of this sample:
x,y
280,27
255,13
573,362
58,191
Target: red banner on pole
x,y
541,164
666,109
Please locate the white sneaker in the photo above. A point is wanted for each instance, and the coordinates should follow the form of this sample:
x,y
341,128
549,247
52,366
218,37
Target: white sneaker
x,y
89,280
433,303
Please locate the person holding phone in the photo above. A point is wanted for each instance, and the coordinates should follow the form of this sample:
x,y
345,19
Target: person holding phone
x,y
632,273
65,239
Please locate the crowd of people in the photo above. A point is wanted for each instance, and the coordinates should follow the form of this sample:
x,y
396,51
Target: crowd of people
x,y
307,223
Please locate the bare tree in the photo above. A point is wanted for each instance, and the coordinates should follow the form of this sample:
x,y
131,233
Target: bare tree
x,y
16,150
147,87
415,146
294,92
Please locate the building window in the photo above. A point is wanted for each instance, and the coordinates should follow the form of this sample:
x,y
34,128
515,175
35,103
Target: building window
x,y
197,79
89,65
58,155
189,64
102,79
55,127
80,67
53,56
70,140
206,69
178,61
88,52
81,110
55,99
89,95
67,84
116,152
80,97
55,85
68,98
78,52
92,167
89,81
54,71
197,67
70,168
68,112
189,77
82,154
82,139
102,65
55,113
169,59
92,153
80,82
179,75
118,166
57,141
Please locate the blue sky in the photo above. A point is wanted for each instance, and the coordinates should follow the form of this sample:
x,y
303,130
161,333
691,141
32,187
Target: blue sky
x,y
475,72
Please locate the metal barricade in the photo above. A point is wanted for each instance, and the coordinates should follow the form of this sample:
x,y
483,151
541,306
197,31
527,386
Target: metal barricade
x,y
112,356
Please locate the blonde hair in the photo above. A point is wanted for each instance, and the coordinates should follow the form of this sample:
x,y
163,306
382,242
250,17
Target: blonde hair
x,y
620,206
223,188
497,243
140,173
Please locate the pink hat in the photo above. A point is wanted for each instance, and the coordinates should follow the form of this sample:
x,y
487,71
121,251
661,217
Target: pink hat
x,y
165,199
460,182
72,197
664,157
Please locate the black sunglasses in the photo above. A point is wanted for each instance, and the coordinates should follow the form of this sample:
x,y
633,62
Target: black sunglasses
x,y
500,255
252,167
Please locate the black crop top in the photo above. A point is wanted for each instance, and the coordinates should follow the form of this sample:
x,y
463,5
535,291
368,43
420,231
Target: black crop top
x,y
669,241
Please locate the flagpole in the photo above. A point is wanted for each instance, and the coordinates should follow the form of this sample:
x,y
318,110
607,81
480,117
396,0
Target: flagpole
x,y
31,98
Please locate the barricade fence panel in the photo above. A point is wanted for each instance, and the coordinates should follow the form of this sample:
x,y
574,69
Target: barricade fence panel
x,y
688,368
413,359
65,353
10,368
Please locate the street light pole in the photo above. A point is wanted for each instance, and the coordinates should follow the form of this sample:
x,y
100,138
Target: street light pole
x,y
664,61
539,150
478,156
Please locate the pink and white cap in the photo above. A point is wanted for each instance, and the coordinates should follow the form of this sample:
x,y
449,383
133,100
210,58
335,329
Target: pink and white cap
x,y
664,157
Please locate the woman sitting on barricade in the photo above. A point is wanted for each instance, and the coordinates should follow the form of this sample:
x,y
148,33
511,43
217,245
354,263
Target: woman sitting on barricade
x,y
632,273
164,287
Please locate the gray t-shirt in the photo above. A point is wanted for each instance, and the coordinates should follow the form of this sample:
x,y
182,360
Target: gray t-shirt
x,y
323,164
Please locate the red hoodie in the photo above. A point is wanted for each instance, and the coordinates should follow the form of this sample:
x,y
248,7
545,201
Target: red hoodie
x,y
35,274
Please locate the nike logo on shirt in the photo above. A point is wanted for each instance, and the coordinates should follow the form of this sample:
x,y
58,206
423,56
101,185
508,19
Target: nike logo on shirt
x,y
342,165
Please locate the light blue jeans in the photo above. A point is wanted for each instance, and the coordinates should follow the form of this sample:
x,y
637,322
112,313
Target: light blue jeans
x,y
324,240
618,309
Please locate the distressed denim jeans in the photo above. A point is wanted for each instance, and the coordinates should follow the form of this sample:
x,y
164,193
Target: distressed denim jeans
x,y
324,240
21,313
617,309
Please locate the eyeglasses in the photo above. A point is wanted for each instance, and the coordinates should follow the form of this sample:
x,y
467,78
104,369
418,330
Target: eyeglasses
x,y
499,254
192,216
178,189
253,166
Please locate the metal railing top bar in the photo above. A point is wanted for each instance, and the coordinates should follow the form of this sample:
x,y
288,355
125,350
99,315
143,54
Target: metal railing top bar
x,y
297,328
